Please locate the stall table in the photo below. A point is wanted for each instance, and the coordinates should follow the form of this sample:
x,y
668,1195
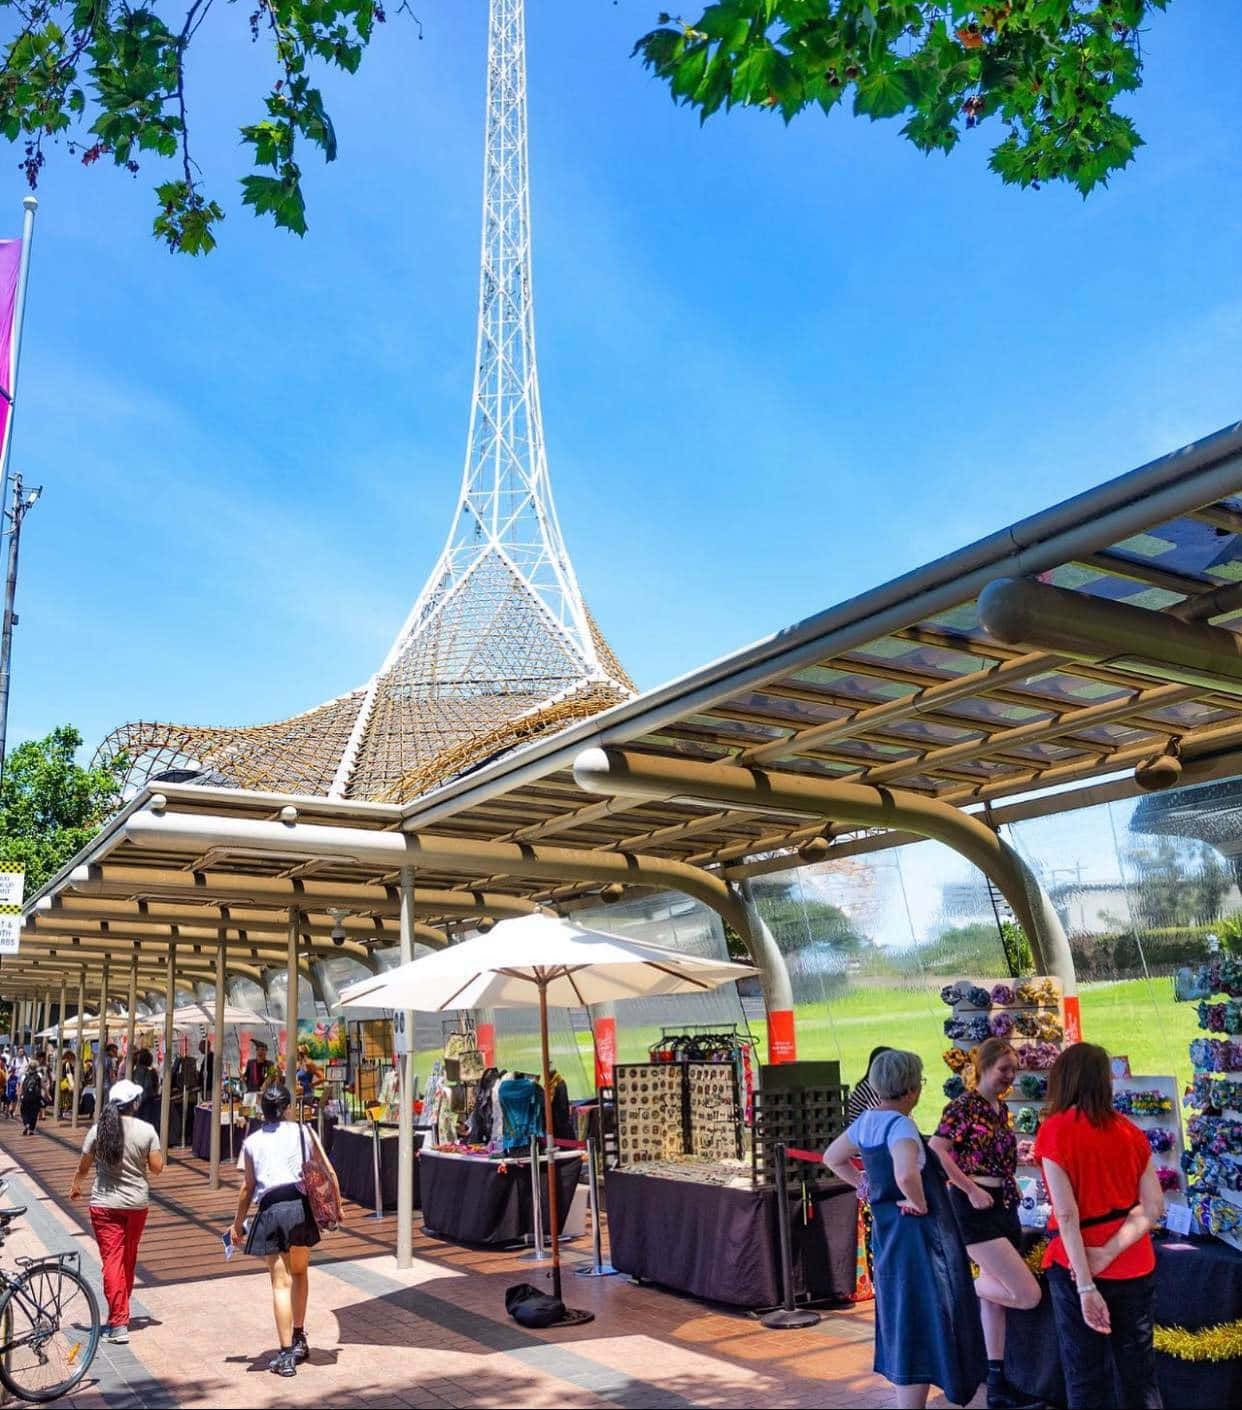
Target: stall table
x,y
353,1159
1198,1285
723,1244
200,1139
478,1199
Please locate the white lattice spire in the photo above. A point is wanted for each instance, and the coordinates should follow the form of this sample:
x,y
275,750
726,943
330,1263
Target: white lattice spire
x,y
499,647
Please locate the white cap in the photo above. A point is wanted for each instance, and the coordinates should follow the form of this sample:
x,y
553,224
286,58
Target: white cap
x,y
124,1092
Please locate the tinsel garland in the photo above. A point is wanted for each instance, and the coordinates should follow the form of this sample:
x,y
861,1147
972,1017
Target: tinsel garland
x,y
1034,1257
1146,1103
1219,1343
1216,1055
1221,1018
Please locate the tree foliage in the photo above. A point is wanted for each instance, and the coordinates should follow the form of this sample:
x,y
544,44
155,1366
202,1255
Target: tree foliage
x,y
109,78
799,922
1049,72
51,807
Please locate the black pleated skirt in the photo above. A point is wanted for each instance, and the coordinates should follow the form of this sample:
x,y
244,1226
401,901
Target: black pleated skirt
x,y
284,1221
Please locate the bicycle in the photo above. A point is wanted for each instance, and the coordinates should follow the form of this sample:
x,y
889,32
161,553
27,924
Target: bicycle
x,y
49,1323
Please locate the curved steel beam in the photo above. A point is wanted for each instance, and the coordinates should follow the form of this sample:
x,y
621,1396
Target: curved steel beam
x,y
622,771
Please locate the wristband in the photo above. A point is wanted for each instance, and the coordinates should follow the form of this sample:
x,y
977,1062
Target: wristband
x,y
1085,1288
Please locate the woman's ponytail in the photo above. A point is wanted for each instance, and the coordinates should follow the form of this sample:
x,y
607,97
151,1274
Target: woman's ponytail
x,y
110,1135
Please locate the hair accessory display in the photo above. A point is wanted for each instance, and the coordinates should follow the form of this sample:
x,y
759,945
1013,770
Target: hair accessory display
x,y
954,1087
1038,1056
956,1058
1001,1024
1142,1103
1215,1055
1159,1139
1002,996
1048,1027
1221,975
1215,1093
1221,1018
1025,1022
1027,1120
968,1030
1218,1216
951,994
1026,1152
1210,1173
1032,1086
1217,1135
978,998
1169,1178
1037,993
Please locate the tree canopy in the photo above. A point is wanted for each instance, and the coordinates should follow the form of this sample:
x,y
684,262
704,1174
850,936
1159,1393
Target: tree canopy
x,y
108,79
50,807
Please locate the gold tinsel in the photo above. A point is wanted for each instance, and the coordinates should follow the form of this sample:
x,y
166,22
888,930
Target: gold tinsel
x,y
1034,1260
1220,1343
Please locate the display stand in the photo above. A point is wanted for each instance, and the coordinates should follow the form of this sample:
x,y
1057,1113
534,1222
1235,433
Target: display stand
x,y
597,1268
1152,1104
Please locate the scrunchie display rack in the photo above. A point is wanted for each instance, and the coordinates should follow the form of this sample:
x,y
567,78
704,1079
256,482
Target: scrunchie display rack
x,y
1213,1158
1152,1104
1028,1014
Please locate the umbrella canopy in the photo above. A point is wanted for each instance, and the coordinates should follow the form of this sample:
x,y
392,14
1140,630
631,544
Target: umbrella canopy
x,y
507,967
545,960
191,1016
89,1024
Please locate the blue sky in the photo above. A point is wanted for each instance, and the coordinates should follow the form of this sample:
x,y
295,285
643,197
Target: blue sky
x,y
779,366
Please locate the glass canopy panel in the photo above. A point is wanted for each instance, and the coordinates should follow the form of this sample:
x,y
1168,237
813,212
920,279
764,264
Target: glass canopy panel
x,y
1187,546
873,690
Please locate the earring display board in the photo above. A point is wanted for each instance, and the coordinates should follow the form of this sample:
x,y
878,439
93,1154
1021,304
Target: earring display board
x,y
1028,1013
651,1111
1152,1104
715,1124
806,1118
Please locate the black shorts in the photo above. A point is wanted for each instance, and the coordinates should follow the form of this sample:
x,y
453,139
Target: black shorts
x,y
980,1226
284,1221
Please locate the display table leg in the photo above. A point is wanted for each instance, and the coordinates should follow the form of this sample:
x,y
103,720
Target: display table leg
x,y
538,1254
597,1268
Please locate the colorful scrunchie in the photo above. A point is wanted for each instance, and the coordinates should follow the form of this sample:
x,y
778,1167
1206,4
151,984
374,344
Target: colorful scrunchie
x,y
1027,1120
1160,1139
951,994
1149,1103
1169,1178
1038,1057
1001,1024
1032,1085
1002,996
954,1087
978,998
956,1058
1026,1023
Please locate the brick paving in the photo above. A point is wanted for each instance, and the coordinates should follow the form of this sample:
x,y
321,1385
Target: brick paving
x,y
435,1335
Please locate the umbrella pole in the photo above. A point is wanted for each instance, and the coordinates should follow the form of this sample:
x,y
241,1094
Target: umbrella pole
x,y
553,1220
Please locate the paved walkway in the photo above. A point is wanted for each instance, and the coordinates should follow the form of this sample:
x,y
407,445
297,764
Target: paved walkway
x,y
435,1335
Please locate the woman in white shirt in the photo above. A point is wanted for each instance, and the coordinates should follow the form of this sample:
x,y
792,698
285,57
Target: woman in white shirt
x,y
283,1230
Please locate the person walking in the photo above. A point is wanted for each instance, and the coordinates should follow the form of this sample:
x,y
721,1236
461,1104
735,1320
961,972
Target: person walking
x,y
145,1077
283,1231
976,1145
33,1094
1106,1198
125,1153
927,1329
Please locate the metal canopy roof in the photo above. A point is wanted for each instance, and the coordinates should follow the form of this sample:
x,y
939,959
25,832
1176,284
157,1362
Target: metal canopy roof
x,y
901,686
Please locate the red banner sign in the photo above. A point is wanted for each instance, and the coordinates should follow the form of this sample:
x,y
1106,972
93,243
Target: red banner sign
x,y
605,1050
782,1044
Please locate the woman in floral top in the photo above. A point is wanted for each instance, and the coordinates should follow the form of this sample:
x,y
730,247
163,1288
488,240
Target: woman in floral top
x,y
979,1153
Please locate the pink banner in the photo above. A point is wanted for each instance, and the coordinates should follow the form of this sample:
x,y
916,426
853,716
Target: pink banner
x,y
10,263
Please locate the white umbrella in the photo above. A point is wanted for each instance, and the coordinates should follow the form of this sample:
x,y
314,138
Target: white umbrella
x,y
545,960
89,1023
191,1016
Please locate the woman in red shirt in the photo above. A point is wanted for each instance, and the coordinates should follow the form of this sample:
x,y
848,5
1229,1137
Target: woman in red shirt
x,y
1105,1199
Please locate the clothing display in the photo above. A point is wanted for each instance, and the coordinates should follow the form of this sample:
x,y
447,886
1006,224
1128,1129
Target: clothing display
x,y
480,1125
521,1106
562,1126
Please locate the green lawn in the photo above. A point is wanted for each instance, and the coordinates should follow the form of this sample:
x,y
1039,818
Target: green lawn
x,y
1134,1017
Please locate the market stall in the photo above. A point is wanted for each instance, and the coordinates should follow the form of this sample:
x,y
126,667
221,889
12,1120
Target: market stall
x,y
352,1153
475,1199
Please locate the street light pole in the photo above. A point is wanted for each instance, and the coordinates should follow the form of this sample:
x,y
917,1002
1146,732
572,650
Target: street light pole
x,y
23,502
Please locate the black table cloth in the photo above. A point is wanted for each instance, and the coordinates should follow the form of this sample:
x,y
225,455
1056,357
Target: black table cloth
x,y
1198,1284
231,1137
470,1199
722,1244
353,1159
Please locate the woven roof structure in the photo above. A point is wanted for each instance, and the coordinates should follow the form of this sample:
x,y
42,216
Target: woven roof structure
x,y
499,647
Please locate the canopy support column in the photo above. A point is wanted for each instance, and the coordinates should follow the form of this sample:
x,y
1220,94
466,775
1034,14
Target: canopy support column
x,y
774,977
60,1046
79,1065
133,1004
170,1003
291,1002
13,1023
405,1088
101,1061
217,1072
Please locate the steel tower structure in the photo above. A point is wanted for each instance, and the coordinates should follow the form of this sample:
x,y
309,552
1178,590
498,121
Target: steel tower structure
x,y
499,646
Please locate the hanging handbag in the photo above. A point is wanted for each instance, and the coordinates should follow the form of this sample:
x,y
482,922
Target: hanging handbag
x,y
321,1191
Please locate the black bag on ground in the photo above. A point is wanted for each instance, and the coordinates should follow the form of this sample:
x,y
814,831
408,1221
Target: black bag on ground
x,y
532,1308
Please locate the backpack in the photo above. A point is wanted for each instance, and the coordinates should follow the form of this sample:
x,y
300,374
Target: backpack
x,y
32,1085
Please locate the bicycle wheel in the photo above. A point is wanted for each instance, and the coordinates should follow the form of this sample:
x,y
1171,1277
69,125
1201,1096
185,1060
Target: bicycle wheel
x,y
49,1320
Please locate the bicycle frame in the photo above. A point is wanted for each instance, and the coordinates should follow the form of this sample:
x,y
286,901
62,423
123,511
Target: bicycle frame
x,y
8,1282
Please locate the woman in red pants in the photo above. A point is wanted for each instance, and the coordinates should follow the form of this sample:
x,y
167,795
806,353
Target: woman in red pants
x,y
125,1152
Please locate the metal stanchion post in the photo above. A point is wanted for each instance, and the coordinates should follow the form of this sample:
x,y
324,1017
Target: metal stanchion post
x,y
538,1253
597,1268
786,1316
375,1166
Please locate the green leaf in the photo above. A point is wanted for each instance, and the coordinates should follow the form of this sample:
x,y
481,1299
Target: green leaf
x,y
280,197
883,93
